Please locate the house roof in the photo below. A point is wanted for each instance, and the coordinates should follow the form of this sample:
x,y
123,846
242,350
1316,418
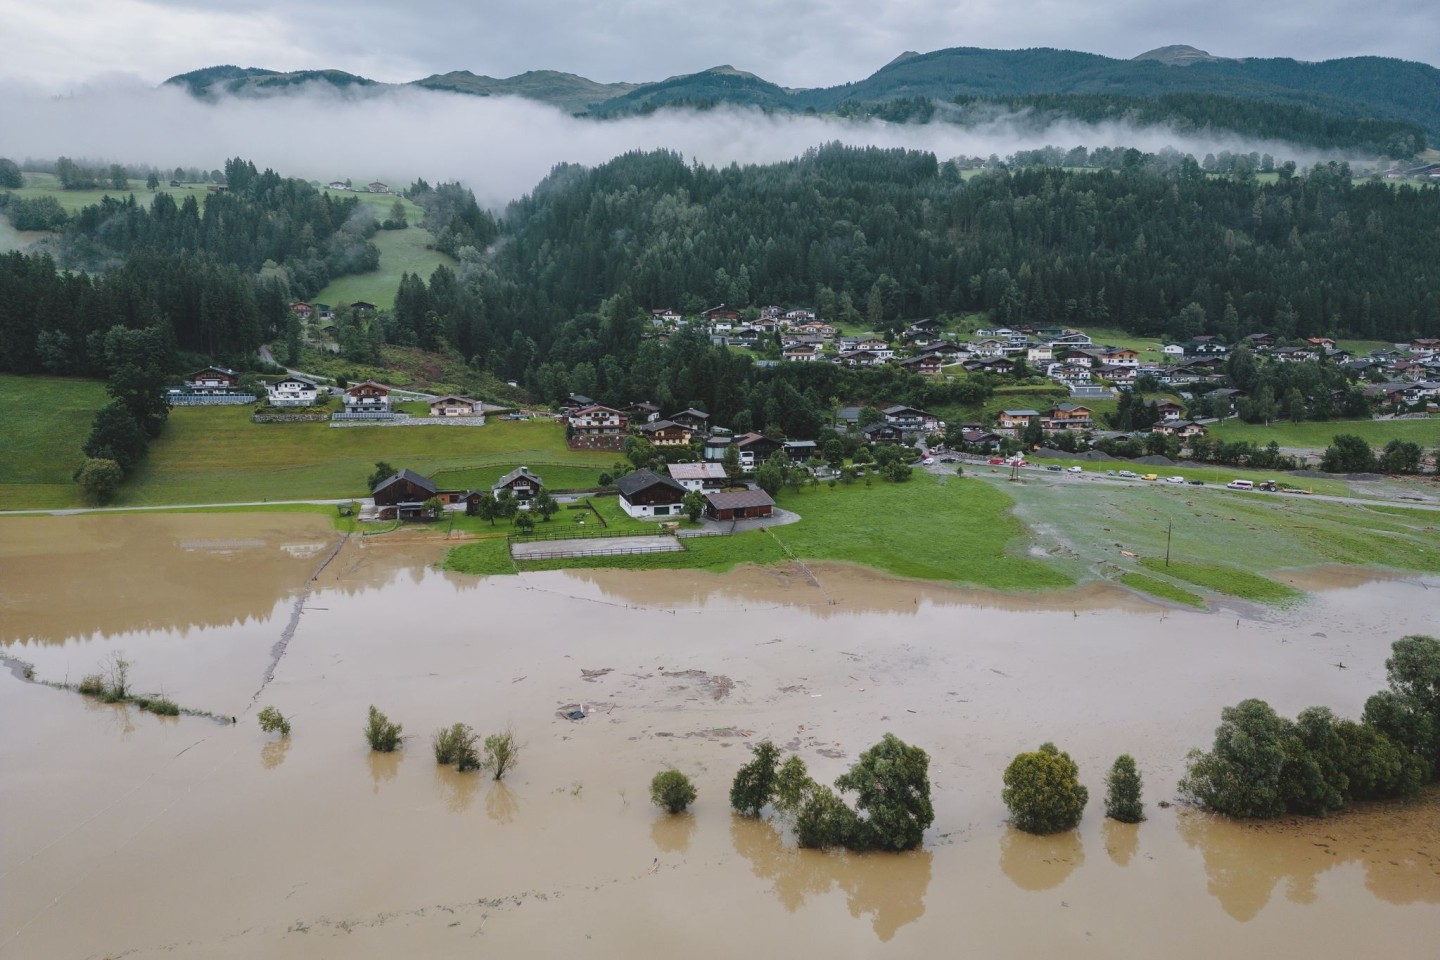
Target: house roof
x,y
594,407
225,370
451,398
633,483
691,412
659,425
800,445
293,378
697,471
739,499
368,383
423,483
516,474
1021,413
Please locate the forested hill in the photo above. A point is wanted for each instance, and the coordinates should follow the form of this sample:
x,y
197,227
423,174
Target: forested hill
x,y
1355,88
870,236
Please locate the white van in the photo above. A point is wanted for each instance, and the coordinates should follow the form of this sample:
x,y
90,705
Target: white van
x,y
1241,484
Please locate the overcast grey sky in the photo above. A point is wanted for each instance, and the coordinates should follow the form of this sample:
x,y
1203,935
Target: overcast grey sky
x,y
795,42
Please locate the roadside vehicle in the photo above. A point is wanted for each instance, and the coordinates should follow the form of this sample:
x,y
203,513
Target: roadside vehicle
x,y
927,461
1241,485
1054,469
1018,461
949,459
1196,483
1174,479
1074,470
1127,474
1150,476
996,461
1268,486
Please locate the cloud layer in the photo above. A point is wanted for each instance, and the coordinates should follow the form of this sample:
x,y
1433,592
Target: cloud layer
x,y
499,147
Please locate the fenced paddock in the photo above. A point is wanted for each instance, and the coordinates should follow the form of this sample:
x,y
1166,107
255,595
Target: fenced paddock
x,y
593,547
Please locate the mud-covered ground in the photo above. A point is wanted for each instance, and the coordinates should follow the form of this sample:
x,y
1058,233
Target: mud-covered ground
x,y
125,834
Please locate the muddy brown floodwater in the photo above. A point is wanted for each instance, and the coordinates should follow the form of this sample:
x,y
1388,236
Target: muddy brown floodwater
x,y
126,834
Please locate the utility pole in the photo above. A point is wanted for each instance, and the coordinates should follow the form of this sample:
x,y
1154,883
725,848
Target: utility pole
x,y
1168,527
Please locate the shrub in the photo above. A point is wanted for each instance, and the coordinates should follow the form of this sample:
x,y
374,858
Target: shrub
x,y
672,790
273,721
456,744
754,783
92,685
1122,791
1240,776
117,678
1043,791
381,734
502,752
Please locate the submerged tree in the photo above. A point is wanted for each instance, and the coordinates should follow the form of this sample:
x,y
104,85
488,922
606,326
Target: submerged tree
x,y
1122,791
672,790
380,733
754,783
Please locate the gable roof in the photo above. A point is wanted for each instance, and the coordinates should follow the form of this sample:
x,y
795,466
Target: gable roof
x,y
739,499
696,471
423,483
633,483
516,474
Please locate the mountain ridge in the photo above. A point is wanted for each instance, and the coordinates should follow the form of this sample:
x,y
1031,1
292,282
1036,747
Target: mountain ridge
x,y
1362,88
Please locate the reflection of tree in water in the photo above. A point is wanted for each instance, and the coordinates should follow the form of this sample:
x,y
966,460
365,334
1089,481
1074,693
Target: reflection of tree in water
x,y
890,887
457,789
273,753
384,766
1244,862
1122,840
117,713
1040,863
672,832
1397,844
500,802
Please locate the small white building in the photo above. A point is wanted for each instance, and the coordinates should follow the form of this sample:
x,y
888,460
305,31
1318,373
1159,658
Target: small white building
x,y
451,405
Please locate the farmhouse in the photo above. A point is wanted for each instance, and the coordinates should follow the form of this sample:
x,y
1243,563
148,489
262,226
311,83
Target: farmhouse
x,y
698,476
1068,416
738,505
293,392
522,484
755,449
911,419
451,405
404,488
1013,421
213,380
665,433
645,493
598,421
692,418
367,397
927,365
378,187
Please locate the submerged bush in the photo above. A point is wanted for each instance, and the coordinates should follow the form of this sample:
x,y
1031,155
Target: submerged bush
x,y
754,783
381,734
164,706
456,744
273,721
92,685
502,752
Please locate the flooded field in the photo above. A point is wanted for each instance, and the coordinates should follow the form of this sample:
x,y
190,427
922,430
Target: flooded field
x,y
127,834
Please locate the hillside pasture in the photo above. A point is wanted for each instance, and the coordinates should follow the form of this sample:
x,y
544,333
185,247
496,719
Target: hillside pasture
x,y
48,423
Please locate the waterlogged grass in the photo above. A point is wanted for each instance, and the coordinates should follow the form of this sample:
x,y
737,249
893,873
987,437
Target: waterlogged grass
x,y
1210,475
1226,579
483,558
714,554
1162,589
1319,435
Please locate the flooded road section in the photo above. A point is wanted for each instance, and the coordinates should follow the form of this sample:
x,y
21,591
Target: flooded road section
x,y
128,834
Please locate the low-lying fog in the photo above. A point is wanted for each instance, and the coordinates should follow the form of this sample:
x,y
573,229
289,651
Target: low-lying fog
x,y
498,146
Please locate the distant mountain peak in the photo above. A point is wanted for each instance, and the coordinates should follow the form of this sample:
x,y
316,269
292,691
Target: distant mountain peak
x,y
1179,55
908,54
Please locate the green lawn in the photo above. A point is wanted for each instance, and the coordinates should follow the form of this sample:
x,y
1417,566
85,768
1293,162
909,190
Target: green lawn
x,y
968,536
1317,435
401,251
1147,347
47,185
1162,589
41,449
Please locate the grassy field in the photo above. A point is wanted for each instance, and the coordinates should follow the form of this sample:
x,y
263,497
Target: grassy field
x,y
401,251
47,185
42,451
1224,579
1162,589
216,455
1317,435
1211,476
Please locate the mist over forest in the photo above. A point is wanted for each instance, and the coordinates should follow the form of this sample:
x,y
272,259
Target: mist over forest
x,y
501,147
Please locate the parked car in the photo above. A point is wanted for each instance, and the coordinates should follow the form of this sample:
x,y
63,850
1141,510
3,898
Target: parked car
x,y
1150,476
1075,469
1196,483
996,460
1054,469
1174,479
1127,474
1018,461
927,461
949,459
